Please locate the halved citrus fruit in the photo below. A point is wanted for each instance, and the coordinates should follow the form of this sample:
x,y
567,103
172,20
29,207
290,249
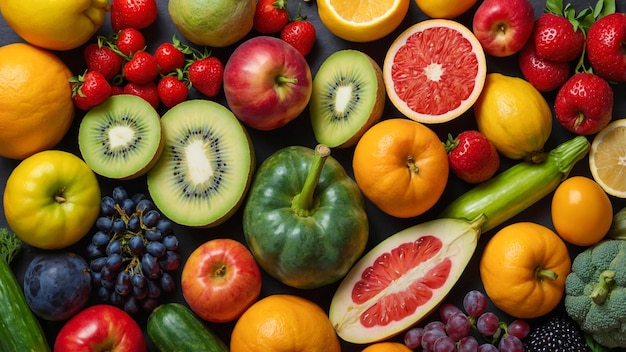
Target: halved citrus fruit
x,y
434,71
362,21
607,158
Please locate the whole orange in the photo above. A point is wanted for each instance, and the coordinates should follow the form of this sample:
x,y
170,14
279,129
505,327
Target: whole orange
x,y
36,107
582,212
284,322
387,347
523,269
401,166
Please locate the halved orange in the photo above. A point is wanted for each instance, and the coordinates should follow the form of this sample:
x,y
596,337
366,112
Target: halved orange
x,y
607,158
362,21
434,71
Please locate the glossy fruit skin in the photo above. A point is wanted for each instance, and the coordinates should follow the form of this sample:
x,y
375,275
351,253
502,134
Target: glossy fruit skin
x,y
129,41
545,75
270,16
443,8
220,280
147,91
316,237
170,56
57,285
101,328
604,48
300,34
555,39
172,91
137,14
102,59
90,89
206,75
581,211
584,104
472,157
33,197
141,68
514,265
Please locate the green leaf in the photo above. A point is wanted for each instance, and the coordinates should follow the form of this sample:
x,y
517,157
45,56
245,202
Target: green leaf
x,y
10,244
603,8
555,7
595,347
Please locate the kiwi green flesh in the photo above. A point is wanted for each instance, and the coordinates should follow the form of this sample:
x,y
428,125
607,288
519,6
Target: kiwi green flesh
x,y
206,167
348,97
121,138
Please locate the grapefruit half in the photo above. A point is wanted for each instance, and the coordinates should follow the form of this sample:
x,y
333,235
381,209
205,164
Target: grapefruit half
x,y
434,71
402,279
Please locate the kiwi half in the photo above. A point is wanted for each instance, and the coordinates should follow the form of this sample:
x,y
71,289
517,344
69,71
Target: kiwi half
x,y
348,97
121,138
206,167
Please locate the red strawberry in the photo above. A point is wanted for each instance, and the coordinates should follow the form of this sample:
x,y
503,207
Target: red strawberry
x,y
206,74
171,56
557,38
472,157
102,59
270,16
605,49
142,68
136,14
301,34
148,92
89,89
117,89
545,75
129,41
172,90
584,104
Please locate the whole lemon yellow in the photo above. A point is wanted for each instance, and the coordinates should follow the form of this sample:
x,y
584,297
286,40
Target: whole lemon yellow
x,y
55,24
444,8
214,23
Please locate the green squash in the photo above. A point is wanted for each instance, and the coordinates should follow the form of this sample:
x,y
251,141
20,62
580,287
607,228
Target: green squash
x,y
304,219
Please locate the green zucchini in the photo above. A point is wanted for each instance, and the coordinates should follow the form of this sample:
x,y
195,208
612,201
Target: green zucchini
x,y
174,327
20,330
517,188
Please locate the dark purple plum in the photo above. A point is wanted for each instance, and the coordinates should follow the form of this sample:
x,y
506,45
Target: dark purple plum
x,y
57,285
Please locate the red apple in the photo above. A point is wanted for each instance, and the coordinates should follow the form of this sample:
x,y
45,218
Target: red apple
x,y
503,27
101,328
267,83
220,280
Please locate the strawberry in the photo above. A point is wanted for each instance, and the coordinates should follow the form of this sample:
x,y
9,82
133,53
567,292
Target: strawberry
x,y
129,41
171,56
102,59
173,89
89,89
605,49
141,68
206,74
270,16
148,92
584,104
558,38
472,157
136,14
545,75
300,33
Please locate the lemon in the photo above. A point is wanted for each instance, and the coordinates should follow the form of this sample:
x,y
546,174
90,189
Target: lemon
x,y
444,8
215,23
362,21
55,24
607,158
514,116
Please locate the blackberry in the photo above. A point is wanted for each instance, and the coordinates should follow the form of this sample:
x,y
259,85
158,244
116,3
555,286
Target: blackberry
x,y
559,334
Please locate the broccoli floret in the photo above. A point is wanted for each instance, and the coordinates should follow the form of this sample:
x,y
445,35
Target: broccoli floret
x,y
595,292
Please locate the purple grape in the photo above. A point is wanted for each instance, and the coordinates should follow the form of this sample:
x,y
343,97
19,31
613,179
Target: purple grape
x,y
134,224
104,224
487,347
153,235
458,326
151,217
140,292
444,344
136,245
167,283
510,343
518,328
155,248
150,266
447,310
435,325
165,226
114,246
100,239
413,338
97,264
430,337
474,303
467,344
144,205
122,283
170,242
170,261
487,324
131,305
128,206
119,226
107,206
94,251
114,261
119,194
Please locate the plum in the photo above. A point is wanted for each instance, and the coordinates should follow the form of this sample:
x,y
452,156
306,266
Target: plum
x,y
57,285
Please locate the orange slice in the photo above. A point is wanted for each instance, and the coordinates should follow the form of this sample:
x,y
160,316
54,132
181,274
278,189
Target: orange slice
x,y
607,158
434,71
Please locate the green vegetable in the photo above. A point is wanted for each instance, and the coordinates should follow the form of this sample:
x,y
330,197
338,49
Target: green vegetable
x,y
304,219
595,292
19,328
517,188
618,227
174,327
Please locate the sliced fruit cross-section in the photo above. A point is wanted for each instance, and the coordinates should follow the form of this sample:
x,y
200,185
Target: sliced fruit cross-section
x,y
607,158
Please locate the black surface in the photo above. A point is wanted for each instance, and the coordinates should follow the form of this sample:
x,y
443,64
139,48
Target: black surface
x,y
299,132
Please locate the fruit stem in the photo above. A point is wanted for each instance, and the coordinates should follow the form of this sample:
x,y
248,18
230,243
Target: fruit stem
x,y
567,154
59,197
603,288
282,80
541,274
303,203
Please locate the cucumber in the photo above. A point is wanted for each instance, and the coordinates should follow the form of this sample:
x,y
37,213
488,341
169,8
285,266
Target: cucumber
x,y
20,330
174,327
517,188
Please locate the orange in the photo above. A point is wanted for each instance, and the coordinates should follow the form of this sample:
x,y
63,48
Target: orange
x,y
607,158
281,323
362,21
36,108
434,71
401,166
444,8
387,347
582,212
523,269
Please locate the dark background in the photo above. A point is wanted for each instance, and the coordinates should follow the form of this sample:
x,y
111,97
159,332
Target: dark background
x,y
299,132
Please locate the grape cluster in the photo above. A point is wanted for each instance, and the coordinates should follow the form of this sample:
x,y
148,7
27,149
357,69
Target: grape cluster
x,y
133,252
453,332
